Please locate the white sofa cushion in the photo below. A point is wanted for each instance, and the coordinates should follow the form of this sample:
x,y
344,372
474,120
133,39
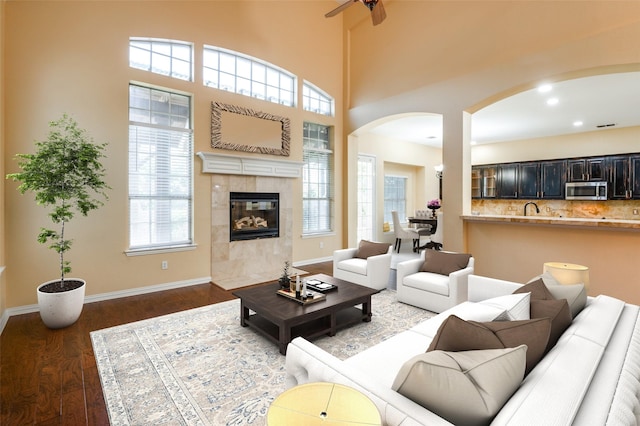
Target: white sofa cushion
x,y
355,265
428,281
465,388
386,353
469,311
516,306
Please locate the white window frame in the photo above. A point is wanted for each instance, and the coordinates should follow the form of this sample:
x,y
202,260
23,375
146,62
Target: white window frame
x,y
172,58
397,202
366,203
235,72
316,100
318,182
153,182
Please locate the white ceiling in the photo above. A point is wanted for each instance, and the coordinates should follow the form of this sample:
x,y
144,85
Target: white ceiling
x,y
598,100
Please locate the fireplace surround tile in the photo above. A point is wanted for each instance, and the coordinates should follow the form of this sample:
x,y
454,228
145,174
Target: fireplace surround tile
x,y
241,263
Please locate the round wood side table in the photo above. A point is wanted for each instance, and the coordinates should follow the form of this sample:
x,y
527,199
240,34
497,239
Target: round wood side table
x,y
321,403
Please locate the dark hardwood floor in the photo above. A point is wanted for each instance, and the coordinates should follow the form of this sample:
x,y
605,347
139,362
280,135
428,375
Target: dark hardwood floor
x,y
49,377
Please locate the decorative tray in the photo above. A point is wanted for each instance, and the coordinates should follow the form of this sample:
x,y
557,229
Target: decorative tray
x,y
320,286
312,296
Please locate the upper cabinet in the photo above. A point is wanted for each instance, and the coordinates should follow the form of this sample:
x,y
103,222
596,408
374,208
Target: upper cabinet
x,y
483,181
542,179
624,178
553,176
508,180
546,179
587,169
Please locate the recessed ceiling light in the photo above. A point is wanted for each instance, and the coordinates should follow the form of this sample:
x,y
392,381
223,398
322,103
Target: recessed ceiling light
x,y
577,123
552,101
544,88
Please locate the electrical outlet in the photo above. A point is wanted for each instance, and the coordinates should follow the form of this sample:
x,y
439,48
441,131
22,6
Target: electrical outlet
x,y
165,264
548,209
635,211
321,244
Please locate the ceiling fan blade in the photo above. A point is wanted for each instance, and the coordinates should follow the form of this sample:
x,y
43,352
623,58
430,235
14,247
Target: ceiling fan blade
x,y
378,13
340,8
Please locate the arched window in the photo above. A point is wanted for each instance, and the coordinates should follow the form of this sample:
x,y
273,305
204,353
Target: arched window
x,y
167,57
315,100
234,72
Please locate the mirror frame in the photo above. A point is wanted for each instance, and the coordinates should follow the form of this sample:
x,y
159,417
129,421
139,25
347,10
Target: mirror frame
x,y
217,108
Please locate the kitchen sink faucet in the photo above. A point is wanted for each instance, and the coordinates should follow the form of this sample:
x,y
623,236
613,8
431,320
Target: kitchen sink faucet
x,y
531,202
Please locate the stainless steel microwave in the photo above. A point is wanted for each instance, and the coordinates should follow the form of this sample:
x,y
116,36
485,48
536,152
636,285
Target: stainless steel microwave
x,y
585,191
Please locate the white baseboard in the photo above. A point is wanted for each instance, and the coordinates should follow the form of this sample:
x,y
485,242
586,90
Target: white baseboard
x,y
27,309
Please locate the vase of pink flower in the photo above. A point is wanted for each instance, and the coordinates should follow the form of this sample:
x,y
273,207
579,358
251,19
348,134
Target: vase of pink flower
x,y
434,205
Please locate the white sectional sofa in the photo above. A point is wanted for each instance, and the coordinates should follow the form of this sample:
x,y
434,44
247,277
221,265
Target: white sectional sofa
x,y
590,377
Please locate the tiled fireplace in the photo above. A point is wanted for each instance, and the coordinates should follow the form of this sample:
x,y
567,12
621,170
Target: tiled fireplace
x,y
248,261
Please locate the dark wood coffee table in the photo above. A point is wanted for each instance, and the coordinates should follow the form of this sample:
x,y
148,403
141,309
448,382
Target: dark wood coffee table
x,y
280,319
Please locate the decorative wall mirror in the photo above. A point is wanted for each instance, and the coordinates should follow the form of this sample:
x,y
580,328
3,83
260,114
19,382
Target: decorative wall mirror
x,y
243,129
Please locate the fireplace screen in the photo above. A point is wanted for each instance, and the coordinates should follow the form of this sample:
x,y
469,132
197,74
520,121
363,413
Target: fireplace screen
x,y
254,215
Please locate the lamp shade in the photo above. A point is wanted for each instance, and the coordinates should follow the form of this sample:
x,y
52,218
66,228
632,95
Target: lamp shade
x,y
568,273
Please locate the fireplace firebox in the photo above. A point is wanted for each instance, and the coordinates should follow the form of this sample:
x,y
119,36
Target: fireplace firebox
x,y
254,215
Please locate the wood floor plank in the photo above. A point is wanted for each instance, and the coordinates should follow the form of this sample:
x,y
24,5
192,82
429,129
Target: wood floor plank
x,y
42,370
49,393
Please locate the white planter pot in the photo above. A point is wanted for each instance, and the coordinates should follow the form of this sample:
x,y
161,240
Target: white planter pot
x,y
59,310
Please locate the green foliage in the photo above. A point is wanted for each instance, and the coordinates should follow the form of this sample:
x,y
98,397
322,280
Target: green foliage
x,y
66,174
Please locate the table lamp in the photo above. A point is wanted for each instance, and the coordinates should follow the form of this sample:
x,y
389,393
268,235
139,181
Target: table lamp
x,y
568,273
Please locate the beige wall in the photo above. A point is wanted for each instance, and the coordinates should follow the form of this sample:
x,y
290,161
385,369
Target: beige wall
x,y
399,158
3,242
603,142
517,252
434,57
458,56
69,56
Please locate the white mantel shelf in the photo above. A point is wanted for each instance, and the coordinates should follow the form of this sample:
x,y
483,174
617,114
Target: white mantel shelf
x,y
248,166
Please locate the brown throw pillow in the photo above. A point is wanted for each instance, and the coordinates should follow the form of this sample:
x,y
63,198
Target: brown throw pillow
x,y
544,305
538,290
443,263
456,334
369,248
559,313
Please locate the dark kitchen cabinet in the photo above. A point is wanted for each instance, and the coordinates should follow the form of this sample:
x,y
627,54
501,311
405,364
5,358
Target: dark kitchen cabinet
x,y
529,180
553,176
587,169
542,180
508,180
624,180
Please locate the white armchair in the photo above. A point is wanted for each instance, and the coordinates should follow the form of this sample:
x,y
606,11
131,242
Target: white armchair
x,y
370,272
435,292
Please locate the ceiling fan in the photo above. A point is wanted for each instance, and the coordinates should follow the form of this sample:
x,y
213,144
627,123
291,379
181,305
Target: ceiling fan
x,y
375,6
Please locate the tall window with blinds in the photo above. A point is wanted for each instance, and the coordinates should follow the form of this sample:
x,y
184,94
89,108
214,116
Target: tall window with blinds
x,y
395,197
317,180
160,169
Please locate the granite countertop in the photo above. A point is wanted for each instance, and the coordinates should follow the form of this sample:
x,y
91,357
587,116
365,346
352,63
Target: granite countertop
x,y
556,221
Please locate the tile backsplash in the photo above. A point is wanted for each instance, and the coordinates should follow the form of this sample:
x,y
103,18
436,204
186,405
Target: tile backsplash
x,y
614,209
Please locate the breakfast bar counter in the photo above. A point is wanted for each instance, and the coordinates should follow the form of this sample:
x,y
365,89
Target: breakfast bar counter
x,y
611,224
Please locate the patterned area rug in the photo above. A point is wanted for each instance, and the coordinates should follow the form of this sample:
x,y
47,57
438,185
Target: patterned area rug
x,y
200,367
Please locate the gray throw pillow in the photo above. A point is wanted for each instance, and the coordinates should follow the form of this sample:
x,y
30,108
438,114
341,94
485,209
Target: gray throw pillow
x,y
465,388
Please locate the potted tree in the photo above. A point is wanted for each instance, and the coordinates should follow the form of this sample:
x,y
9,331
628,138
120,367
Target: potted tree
x,y
65,174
